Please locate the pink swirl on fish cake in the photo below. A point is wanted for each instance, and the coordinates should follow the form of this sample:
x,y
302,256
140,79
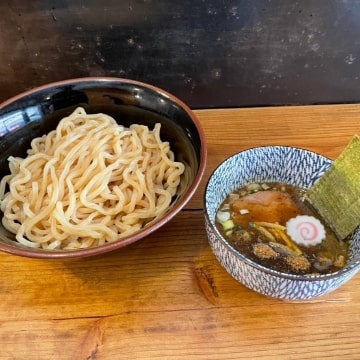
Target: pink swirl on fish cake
x,y
306,230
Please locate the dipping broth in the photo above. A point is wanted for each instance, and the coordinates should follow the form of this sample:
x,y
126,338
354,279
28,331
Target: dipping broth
x,y
273,225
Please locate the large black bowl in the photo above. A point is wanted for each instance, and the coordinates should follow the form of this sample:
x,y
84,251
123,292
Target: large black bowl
x,y
38,111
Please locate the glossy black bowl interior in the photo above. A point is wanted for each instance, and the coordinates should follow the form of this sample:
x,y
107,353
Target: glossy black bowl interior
x,y
37,112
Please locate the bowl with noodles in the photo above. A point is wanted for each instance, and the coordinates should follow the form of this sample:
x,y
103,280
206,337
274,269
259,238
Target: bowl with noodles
x,y
91,165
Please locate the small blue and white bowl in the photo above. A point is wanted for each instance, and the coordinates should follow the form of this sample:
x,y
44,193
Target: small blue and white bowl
x,y
271,164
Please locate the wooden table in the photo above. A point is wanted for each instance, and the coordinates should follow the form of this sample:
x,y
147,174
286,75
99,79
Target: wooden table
x,y
167,297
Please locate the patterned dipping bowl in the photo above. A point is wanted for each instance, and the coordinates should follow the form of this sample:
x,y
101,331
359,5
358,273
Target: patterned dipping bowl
x,y
290,165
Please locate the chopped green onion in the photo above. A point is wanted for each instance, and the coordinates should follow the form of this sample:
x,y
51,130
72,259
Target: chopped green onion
x,y
222,216
238,227
253,187
229,233
227,225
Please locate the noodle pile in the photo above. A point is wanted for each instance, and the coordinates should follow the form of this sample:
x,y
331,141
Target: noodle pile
x,y
89,182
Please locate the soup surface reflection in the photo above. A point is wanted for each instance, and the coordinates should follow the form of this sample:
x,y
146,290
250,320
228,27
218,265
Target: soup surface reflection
x,y
273,225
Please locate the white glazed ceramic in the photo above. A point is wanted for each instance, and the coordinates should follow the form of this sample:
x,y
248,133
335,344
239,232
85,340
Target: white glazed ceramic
x,y
265,164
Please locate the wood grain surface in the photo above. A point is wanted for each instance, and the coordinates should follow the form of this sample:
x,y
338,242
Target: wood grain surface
x,y
167,297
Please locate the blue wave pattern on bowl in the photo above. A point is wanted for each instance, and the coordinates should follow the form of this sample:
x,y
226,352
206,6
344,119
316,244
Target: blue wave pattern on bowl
x,y
265,164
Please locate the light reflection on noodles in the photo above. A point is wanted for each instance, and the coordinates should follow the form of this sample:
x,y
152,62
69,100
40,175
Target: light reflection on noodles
x,y
89,182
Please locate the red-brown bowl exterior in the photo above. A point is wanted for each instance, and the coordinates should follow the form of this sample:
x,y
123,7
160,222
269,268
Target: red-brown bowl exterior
x,y
36,112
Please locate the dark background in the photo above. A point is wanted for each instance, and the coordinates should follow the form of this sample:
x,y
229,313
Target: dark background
x,y
208,53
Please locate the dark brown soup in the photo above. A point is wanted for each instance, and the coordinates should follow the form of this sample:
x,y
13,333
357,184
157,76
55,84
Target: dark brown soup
x,y
272,224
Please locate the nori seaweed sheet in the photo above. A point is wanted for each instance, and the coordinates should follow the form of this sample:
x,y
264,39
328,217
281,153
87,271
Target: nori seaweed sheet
x,y
336,195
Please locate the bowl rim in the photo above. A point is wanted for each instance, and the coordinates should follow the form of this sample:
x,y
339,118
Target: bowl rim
x,y
147,230
309,277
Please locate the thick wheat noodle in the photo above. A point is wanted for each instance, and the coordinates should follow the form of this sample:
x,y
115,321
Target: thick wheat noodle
x,y
89,182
